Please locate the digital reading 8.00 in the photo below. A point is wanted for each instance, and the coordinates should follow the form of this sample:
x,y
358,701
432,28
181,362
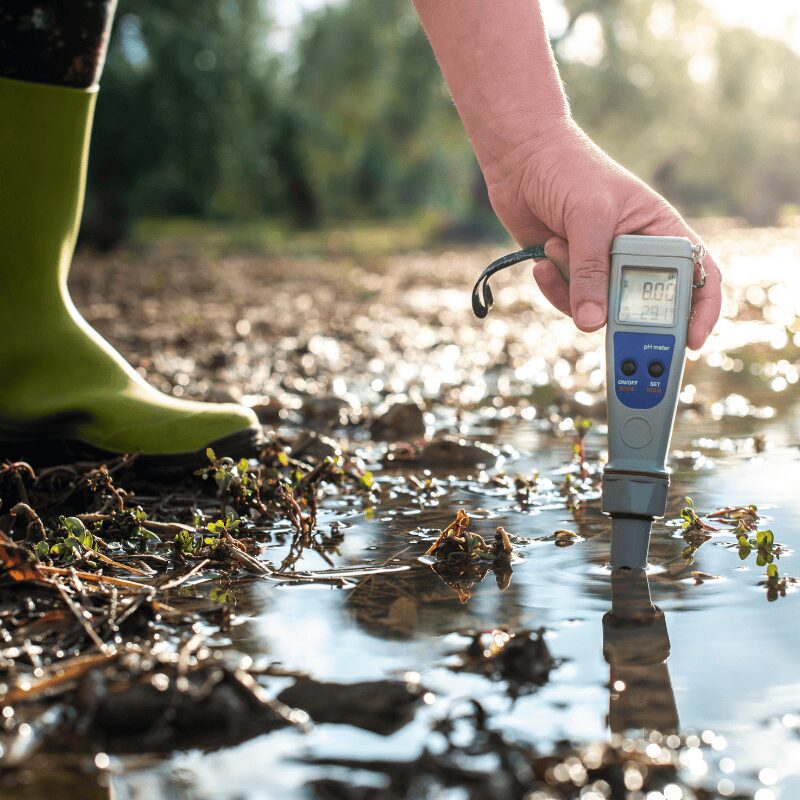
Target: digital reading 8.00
x,y
648,296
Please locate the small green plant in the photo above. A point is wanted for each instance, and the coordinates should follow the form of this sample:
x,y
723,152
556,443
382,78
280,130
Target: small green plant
x,y
582,427
750,540
237,482
763,543
221,528
367,479
220,596
186,542
692,521
193,543
134,522
695,531
42,550
73,542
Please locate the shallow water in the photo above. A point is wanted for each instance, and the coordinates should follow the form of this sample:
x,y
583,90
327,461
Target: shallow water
x,y
732,659
731,673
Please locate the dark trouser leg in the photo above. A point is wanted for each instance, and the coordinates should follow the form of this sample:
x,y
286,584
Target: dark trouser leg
x,y
60,42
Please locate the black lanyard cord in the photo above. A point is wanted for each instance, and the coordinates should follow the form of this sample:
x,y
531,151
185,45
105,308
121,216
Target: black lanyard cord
x,y
482,299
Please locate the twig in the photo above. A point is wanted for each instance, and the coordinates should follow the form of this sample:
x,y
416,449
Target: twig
x,y
66,672
88,576
178,581
34,524
110,561
77,611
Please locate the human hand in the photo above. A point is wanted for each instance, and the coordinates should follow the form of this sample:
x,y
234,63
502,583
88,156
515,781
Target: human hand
x,y
560,189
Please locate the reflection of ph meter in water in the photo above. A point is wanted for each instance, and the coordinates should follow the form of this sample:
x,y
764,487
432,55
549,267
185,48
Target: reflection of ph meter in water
x,y
648,296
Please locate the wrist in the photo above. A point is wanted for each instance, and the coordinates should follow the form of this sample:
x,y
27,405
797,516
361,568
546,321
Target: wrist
x,y
529,139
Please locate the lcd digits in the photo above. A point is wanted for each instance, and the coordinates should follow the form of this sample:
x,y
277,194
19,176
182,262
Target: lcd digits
x,y
648,296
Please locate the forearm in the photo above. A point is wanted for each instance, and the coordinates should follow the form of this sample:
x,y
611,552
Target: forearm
x,y
499,67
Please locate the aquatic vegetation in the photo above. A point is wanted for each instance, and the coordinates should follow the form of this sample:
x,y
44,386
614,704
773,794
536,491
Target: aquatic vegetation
x,y
744,517
562,538
457,541
692,523
695,531
462,558
743,521
766,551
110,561
775,584
525,489
582,427
763,544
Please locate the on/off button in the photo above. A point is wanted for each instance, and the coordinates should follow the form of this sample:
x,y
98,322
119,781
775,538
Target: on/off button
x,y
628,367
637,432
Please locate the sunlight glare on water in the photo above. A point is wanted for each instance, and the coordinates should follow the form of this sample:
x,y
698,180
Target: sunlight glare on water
x,y
718,668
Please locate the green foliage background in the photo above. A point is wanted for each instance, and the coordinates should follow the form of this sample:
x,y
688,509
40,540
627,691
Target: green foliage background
x,y
201,116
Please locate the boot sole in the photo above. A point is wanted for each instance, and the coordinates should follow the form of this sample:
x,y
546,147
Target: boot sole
x,y
60,450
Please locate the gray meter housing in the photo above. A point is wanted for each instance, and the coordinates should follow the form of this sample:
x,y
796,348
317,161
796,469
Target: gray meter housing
x,y
650,297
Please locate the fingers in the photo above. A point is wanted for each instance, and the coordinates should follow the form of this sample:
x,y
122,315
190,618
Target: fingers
x,y
553,285
550,274
589,257
557,250
575,276
706,304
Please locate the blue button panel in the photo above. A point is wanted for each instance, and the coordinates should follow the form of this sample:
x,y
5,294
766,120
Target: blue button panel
x,y
651,354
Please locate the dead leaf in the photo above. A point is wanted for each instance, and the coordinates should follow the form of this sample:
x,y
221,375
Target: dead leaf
x,y
702,577
18,561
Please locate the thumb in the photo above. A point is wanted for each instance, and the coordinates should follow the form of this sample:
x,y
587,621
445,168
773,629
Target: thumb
x,y
589,257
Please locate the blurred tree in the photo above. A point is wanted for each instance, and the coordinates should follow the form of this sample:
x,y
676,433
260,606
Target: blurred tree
x,y
198,117
708,114
190,121
381,136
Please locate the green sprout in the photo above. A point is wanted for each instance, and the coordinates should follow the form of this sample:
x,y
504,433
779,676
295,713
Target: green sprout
x,y
763,543
73,543
582,427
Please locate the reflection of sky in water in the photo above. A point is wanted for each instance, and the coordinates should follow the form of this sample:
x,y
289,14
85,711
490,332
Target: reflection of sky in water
x,y
732,659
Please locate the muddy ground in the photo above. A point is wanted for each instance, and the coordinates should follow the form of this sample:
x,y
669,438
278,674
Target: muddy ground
x,y
250,613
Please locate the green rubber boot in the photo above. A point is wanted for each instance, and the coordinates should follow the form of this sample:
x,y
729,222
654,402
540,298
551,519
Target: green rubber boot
x,y
65,393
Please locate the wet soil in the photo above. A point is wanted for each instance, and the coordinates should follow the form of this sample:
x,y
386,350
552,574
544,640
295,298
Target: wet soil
x,y
316,652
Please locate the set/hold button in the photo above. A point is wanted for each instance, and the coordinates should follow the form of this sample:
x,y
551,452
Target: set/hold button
x,y
656,369
628,367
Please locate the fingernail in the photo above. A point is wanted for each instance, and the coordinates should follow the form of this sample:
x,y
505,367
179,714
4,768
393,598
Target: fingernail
x,y
590,315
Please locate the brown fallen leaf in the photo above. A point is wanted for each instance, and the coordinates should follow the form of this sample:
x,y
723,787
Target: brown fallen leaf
x,y
702,577
17,560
